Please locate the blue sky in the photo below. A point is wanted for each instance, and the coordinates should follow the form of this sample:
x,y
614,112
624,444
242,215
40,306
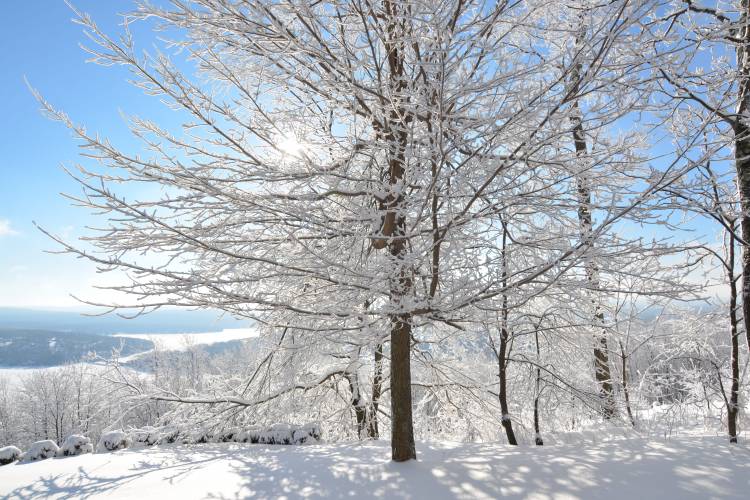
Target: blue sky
x,y
41,44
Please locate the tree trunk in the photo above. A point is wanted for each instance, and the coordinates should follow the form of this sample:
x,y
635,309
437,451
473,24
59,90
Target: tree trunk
x,y
742,163
402,431
360,408
602,370
377,383
394,231
742,157
503,394
502,354
733,407
625,390
537,432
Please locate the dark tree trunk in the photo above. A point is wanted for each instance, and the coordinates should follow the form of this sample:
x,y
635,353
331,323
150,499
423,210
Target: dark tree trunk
x,y
625,390
603,372
394,231
360,408
743,177
377,387
502,354
733,407
742,164
402,431
537,432
503,393
742,157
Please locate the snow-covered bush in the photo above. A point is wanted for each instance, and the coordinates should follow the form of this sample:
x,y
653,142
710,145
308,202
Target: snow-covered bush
x,y
41,450
279,434
308,433
168,436
147,436
9,454
112,441
75,445
274,434
248,435
228,435
151,435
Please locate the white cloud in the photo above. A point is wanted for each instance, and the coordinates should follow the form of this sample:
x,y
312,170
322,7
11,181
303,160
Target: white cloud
x,y
5,229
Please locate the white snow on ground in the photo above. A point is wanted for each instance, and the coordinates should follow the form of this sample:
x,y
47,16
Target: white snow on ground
x,y
680,468
179,341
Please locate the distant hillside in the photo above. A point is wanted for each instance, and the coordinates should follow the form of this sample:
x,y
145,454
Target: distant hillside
x,y
162,321
41,348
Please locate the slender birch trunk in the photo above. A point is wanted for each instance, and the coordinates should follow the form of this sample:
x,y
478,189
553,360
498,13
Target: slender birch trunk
x,y
602,370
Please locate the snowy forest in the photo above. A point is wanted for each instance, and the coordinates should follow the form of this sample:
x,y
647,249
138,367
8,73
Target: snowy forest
x,y
475,221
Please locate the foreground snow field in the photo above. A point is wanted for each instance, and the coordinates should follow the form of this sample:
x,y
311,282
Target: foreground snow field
x,y
679,468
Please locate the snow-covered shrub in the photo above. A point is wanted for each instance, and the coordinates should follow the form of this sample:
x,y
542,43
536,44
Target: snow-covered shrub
x,y
168,436
151,435
41,450
279,434
147,436
228,435
199,436
248,435
9,454
75,445
308,433
113,440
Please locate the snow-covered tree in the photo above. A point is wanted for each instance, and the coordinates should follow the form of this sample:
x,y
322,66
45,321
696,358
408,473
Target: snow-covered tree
x,y
359,176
